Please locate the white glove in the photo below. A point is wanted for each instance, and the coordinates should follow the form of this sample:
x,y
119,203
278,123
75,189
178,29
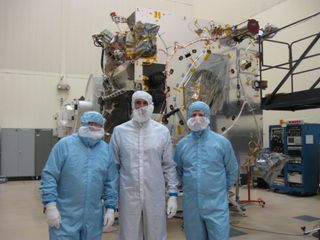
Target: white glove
x,y
53,215
108,219
172,206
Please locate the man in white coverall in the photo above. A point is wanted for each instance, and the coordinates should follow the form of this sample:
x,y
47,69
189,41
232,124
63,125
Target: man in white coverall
x,y
142,151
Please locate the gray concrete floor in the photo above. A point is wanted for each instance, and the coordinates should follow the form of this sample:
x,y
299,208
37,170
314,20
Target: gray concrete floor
x,y
22,218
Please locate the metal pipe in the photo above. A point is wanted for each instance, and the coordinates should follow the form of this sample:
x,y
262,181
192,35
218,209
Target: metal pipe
x,y
260,66
315,84
309,70
291,24
268,67
290,65
301,39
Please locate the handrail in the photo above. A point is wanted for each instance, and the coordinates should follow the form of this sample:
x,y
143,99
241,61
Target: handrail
x,y
286,63
315,84
289,73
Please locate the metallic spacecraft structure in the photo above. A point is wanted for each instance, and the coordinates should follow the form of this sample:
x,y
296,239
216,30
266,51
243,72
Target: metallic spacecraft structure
x,y
179,60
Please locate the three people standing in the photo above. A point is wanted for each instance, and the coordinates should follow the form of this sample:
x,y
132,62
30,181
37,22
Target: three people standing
x,y
82,173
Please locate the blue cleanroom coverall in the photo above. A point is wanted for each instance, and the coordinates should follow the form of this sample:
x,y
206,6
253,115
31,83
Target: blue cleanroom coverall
x,y
207,165
78,175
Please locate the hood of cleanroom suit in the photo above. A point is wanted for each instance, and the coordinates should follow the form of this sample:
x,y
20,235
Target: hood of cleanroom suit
x,y
199,106
142,114
141,95
84,131
78,177
197,123
92,116
143,155
207,167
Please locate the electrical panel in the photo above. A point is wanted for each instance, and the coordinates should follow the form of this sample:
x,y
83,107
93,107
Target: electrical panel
x,y
301,142
277,139
24,151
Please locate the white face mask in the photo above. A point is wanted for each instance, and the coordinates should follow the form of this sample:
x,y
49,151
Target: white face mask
x,y
198,123
142,114
94,133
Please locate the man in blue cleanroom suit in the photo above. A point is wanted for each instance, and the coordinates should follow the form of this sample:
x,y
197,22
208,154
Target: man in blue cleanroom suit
x,y
78,175
143,154
208,167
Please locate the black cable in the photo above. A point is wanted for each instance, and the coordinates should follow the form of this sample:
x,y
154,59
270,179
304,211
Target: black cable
x,y
97,42
101,59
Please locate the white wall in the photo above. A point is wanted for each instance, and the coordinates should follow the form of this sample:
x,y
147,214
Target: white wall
x,y
231,11
281,15
31,99
43,40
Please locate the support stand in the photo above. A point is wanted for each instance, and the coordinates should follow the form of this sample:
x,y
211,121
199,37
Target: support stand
x,y
249,200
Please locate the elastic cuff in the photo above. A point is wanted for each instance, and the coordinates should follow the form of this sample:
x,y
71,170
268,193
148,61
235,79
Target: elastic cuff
x,y
110,206
48,202
173,194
